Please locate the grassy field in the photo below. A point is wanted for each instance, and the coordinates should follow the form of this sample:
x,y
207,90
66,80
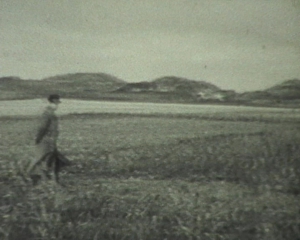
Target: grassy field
x,y
149,175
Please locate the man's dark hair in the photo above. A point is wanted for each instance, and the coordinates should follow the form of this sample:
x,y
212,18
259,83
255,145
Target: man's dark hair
x,y
53,97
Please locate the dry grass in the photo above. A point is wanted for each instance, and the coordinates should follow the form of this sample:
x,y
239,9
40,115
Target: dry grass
x,y
155,178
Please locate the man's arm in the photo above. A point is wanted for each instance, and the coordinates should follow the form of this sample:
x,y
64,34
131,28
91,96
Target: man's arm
x,y
43,129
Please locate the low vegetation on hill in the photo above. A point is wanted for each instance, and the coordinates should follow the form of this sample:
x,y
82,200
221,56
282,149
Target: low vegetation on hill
x,y
79,85
175,89
101,86
173,84
287,90
286,93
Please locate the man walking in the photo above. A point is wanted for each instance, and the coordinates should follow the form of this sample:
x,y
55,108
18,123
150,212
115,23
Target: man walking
x,y
46,140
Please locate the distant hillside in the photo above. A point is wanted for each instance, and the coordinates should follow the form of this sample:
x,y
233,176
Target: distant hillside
x,y
83,82
169,84
255,95
78,85
288,90
176,84
181,88
102,86
15,88
137,87
97,78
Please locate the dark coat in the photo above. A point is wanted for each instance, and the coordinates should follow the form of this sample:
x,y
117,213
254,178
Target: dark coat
x,y
48,157
48,131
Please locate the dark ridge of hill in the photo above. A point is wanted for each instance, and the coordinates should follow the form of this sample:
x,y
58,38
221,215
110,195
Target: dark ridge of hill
x,y
78,85
137,87
177,84
285,94
92,77
171,87
15,88
287,90
87,82
170,84
255,95
9,79
102,86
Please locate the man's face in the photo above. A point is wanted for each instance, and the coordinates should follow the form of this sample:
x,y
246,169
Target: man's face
x,y
56,102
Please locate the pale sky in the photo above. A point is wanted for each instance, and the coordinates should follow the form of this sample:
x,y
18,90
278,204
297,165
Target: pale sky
x,y
235,44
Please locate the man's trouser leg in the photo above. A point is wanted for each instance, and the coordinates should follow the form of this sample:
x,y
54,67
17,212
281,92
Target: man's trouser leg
x,y
43,153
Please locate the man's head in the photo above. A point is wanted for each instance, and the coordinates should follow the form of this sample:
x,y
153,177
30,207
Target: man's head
x,y
54,99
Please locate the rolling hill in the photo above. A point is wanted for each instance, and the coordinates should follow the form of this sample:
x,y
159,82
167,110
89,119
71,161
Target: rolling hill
x,y
78,85
287,92
102,86
169,84
176,88
15,88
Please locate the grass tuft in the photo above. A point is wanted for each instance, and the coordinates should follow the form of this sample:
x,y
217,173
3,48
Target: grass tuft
x,y
238,181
